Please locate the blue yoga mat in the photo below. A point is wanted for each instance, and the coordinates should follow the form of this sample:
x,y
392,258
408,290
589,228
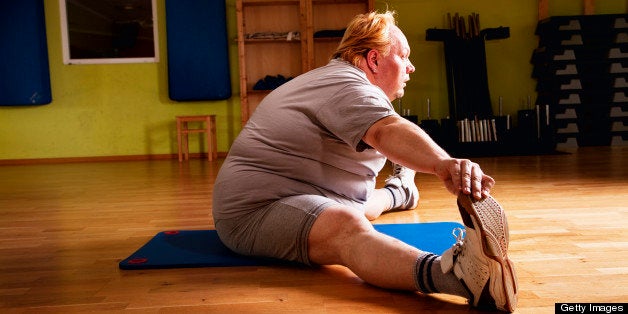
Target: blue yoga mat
x,y
203,248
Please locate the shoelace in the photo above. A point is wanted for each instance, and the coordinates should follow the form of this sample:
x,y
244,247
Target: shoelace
x,y
396,171
459,234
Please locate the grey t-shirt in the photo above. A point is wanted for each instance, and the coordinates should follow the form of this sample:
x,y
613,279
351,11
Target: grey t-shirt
x,y
305,137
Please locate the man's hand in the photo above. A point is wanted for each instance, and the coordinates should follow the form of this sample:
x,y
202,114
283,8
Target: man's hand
x,y
463,175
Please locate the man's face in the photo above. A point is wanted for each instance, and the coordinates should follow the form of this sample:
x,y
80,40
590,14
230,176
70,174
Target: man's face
x,y
395,68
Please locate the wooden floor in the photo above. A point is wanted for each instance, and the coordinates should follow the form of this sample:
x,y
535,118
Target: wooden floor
x,y
65,227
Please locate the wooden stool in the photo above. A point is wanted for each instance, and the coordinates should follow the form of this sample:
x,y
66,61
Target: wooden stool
x,y
183,131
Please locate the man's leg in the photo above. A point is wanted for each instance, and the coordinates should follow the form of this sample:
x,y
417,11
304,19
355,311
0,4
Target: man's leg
x,y
399,192
342,236
379,202
477,267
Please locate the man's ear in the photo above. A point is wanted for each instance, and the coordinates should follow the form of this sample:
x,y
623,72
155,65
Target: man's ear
x,y
371,60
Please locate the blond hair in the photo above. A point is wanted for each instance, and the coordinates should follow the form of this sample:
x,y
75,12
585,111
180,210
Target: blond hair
x,y
366,32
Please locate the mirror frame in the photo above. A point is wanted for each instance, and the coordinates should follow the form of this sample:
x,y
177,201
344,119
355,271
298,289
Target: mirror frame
x,y
65,42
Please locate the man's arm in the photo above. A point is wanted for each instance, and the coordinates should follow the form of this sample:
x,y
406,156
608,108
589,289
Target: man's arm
x,y
405,143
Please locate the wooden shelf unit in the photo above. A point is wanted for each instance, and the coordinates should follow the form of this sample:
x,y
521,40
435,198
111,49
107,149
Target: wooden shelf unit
x,y
289,58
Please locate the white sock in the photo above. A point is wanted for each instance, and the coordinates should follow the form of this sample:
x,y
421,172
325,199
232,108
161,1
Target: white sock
x,y
396,196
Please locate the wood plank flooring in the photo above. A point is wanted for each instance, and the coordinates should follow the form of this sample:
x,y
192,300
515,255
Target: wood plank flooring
x,y
65,227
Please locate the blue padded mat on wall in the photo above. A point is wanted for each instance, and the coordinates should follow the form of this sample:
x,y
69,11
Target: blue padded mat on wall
x,y
198,60
24,71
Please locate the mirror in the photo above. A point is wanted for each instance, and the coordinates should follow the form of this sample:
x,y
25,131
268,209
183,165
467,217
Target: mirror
x,y
109,31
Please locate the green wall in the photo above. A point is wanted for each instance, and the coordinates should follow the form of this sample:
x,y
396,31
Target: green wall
x,y
123,109
110,109
508,60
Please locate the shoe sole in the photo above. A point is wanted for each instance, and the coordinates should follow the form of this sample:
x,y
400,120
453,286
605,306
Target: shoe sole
x,y
493,225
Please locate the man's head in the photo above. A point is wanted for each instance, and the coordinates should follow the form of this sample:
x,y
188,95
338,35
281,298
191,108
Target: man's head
x,y
374,43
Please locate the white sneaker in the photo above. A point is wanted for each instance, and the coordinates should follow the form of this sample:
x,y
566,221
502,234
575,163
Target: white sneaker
x,y
403,179
479,258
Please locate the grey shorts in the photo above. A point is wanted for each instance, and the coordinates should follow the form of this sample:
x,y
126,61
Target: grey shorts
x,y
278,230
